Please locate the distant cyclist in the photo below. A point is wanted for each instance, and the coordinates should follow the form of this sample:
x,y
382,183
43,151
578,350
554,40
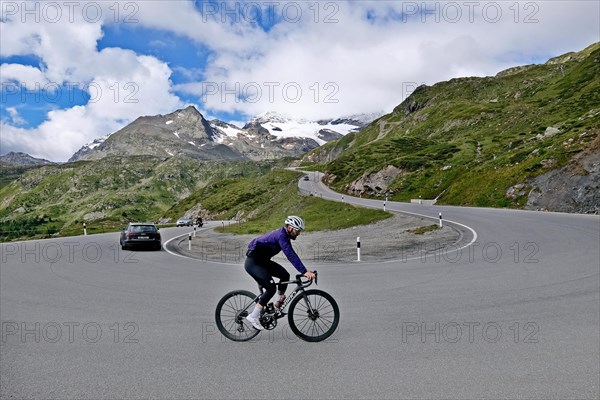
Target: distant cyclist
x,y
260,266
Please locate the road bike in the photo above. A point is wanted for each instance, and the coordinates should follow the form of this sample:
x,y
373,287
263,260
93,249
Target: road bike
x,y
313,314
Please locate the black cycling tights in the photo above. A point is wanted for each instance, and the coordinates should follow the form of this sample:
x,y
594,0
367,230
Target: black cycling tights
x,y
262,271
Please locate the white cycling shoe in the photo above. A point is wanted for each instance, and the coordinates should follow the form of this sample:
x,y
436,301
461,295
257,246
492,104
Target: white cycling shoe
x,y
255,322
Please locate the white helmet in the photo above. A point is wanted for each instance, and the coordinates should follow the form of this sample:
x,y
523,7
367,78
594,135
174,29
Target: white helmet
x,y
295,222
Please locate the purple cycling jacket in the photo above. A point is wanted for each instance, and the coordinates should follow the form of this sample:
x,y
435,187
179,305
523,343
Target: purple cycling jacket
x,y
270,244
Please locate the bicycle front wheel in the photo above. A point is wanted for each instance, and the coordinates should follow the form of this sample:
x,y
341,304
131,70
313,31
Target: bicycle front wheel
x,y
231,314
314,315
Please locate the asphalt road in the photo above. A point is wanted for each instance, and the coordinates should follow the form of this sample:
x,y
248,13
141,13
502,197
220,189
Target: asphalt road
x,y
515,314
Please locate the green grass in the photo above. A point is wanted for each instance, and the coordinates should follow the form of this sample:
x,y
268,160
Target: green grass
x,y
271,203
107,193
484,129
57,200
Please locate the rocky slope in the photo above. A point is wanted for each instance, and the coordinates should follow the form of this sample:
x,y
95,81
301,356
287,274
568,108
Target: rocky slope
x,y
572,188
23,159
526,137
187,133
181,133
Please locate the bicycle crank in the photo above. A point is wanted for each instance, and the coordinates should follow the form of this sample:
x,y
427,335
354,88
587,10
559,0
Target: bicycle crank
x,y
269,322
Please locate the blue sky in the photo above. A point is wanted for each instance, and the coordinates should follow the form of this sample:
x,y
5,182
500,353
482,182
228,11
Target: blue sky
x,y
75,71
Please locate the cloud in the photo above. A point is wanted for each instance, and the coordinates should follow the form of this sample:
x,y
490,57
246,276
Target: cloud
x,y
372,54
134,86
17,75
307,59
121,85
15,117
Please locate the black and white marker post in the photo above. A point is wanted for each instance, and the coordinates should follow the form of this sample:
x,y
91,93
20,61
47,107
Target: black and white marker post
x,y
441,224
358,248
190,241
84,229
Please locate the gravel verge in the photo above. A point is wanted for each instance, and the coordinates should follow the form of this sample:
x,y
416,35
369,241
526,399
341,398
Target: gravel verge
x,y
386,240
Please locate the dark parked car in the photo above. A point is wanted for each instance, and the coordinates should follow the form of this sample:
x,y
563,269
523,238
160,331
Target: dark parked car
x,y
306,178
140,234
184,221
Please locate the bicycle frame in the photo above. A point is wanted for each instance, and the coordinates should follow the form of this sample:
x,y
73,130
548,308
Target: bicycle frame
x,y
299,288
300,285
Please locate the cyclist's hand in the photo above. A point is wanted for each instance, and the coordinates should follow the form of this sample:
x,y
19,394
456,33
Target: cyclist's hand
x,y
310,275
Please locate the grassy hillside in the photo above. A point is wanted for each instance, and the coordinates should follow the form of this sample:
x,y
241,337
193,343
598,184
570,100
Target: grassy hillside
x,y
471,139
262,204
106,193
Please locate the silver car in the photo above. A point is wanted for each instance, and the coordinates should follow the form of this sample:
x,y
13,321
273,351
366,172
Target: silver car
x,y
184,221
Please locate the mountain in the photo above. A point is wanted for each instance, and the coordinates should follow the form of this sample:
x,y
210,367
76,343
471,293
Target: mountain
x,y
183,133
187,133
322,131
527,137
23,159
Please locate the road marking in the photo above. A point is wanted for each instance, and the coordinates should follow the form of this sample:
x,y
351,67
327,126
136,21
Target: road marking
x,y
319,186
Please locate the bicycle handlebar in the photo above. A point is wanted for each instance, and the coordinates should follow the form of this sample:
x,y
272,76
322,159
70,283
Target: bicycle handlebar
x,y
300,281
297,281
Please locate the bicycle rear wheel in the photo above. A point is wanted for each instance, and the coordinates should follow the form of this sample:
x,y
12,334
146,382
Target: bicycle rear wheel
x,y
231,314
314,315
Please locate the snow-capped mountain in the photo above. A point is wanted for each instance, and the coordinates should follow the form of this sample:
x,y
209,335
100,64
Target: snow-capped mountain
x,y
88,148
322,131
183,132
186,132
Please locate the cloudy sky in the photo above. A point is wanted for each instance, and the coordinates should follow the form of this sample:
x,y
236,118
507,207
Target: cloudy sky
x,y
74,71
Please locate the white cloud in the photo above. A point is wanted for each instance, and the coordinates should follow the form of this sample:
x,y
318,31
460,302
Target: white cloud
x,y
371,64
15,117
117,97
15,76
341,61
122,85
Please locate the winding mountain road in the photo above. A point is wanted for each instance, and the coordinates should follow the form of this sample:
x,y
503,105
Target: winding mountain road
x,y
514,314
